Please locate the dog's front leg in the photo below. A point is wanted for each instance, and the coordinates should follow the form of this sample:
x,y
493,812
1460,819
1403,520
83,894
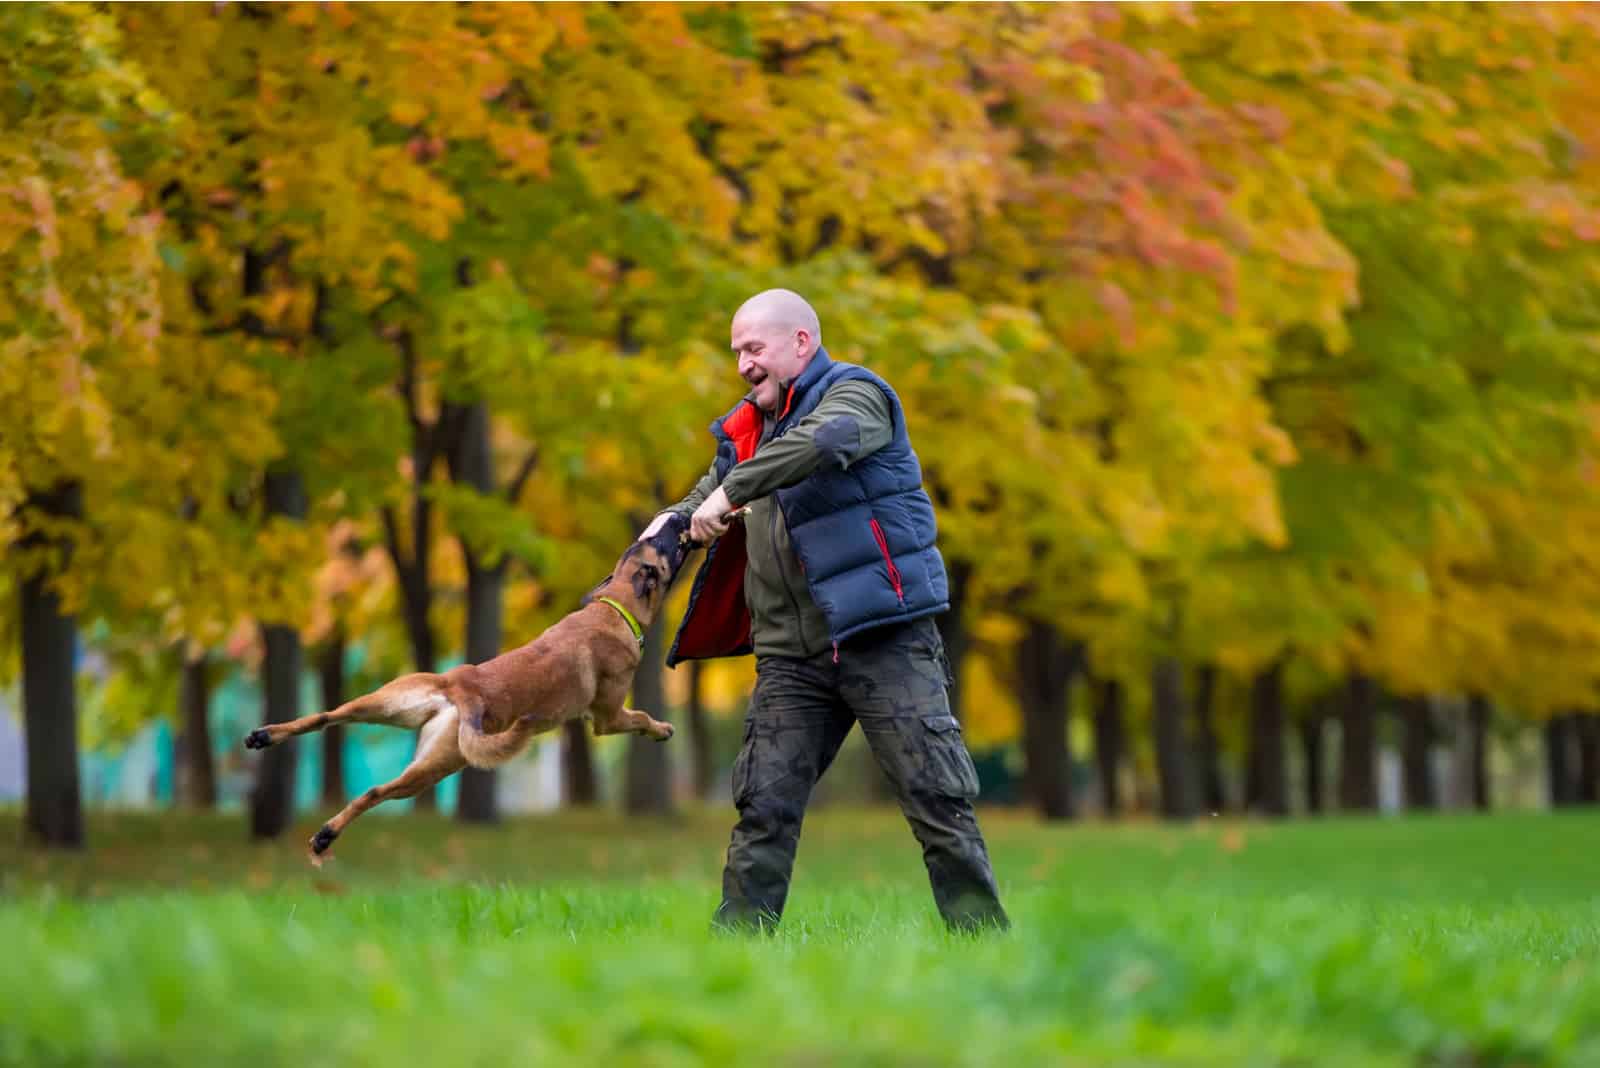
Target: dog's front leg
x,y
630,721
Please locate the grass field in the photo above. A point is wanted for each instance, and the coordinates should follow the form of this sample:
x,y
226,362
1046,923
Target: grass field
x,y
582,939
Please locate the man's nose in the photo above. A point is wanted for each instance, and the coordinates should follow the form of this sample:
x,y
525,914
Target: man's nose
x,y
745,363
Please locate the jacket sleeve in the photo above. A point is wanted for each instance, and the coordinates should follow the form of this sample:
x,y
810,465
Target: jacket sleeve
x,y
851,421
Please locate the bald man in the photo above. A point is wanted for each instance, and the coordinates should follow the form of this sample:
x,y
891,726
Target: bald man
x,y
832,580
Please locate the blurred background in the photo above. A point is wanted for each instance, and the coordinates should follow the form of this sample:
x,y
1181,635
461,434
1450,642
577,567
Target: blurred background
x,y
1250,352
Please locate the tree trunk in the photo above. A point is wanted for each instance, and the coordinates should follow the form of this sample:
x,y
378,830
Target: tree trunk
x,y
485,586
1046,666
1172,748
1311,752
648,789
330,673
272,802
1478,714
194,699
1416,741
1268,776
699,731
1207,751
1108,735
1560,770
578,783
1588,785
412,571
1358,747
424,659
54,814
953,630
471,463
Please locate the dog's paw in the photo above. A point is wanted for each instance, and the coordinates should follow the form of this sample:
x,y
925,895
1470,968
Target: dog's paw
x,y
665,732
322,840
258,739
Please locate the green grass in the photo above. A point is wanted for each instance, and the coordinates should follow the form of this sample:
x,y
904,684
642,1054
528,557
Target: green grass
x,y
582,939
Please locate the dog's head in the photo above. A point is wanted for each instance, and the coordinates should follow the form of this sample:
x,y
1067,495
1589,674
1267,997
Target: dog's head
x,y
646,571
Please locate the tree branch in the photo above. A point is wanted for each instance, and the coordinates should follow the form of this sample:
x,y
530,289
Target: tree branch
x,y
524,472
408,382
391,538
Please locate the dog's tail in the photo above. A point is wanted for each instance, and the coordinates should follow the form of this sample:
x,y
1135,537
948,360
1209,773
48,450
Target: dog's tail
x,y
488,750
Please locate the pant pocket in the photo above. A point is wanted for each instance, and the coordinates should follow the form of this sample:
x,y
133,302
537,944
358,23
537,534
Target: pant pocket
x,y
946,765
743,780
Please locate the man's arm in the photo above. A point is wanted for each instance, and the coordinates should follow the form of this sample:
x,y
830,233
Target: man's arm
x,y
851,421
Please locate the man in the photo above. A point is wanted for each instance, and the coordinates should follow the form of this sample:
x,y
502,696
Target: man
x,y
832,580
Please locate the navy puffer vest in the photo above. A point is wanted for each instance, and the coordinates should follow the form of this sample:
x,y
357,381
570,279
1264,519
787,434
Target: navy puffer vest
x,y
865,536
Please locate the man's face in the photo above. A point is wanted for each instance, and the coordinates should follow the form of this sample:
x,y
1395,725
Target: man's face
x,y
770,357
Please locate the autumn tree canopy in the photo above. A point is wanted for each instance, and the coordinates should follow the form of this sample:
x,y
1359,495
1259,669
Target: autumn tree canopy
x,y
1230,337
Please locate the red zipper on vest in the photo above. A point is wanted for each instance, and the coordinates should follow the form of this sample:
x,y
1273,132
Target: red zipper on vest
x,y
888,561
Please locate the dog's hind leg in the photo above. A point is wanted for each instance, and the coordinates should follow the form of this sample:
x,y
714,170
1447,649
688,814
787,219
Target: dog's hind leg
x,y
438,755
409,702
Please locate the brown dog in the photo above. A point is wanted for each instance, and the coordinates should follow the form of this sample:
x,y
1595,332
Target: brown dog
x,y
485,714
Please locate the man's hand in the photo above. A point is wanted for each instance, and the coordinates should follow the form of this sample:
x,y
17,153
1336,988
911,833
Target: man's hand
x,y
710,520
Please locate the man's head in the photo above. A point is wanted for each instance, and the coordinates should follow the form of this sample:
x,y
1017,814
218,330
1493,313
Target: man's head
x,y
775,334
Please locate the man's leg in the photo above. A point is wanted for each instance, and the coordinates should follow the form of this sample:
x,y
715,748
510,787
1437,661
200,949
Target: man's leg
x,y
792,732
895,683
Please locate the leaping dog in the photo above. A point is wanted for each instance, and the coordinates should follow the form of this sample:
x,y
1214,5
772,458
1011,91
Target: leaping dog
x,y
485,714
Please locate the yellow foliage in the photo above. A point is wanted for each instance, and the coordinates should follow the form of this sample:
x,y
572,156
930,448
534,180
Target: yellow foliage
x,y
989,710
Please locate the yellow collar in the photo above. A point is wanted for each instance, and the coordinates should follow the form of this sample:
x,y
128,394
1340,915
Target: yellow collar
x,y
633,624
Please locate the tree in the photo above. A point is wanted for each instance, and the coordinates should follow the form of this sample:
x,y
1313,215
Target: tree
x,y
331,688
1416,744
1560,760
1267,784
1172,744
1109,735
309,186
1208,750
199,775
699,733
53,814
1047,666
1358,746
272,800
79,306
1429,408
471,464
1311,723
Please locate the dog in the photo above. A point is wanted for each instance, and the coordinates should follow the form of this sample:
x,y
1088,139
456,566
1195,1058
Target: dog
x,y
485,714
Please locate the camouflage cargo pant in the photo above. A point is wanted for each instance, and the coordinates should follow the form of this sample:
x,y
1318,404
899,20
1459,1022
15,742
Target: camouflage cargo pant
x,y
893,682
